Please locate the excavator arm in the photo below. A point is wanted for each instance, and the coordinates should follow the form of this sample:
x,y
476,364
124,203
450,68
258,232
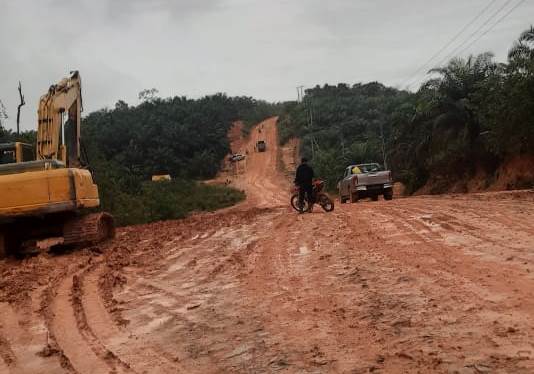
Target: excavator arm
x,y
59,117
46,202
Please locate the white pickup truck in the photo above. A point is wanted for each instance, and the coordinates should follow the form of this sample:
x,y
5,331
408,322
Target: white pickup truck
x,y
365,180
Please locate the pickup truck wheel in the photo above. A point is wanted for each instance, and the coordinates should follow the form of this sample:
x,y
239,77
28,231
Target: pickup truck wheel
x,y
388,194
342,199
354,197
3,245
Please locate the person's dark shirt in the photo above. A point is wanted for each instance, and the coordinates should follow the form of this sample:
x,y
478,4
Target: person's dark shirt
x,y
304,175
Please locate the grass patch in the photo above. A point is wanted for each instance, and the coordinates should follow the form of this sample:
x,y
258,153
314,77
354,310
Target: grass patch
x,y
157,201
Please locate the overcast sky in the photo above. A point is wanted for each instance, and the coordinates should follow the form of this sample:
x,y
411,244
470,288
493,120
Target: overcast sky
x,y
242,47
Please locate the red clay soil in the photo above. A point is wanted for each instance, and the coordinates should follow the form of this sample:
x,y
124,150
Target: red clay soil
x,y
416,285
514,173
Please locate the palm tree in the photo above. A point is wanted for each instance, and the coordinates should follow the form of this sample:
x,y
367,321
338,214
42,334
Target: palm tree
x,y
447,108
447,97
521,55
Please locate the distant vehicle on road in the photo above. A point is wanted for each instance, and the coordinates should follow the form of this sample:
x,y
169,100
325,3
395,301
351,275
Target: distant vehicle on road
x,y
261,146
236,157
161,178
365,180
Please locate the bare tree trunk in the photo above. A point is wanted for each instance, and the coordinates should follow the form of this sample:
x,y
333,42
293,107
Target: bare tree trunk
x,y
22,103
3,113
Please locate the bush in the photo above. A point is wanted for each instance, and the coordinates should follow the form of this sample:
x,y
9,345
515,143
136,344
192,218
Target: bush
x,y
157,201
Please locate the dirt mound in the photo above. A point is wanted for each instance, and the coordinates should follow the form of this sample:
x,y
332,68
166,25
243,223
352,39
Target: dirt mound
x,y
517,173
514,174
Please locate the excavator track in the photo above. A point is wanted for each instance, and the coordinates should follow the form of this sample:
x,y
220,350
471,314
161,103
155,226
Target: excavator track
x,y
89,229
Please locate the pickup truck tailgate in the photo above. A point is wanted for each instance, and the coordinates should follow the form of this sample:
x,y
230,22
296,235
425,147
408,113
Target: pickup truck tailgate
x,y
370,179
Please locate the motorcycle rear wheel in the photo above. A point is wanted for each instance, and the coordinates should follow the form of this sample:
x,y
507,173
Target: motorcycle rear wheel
x,y
295,203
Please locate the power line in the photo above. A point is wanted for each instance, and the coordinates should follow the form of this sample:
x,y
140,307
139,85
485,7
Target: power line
x,y
467,40
492,26
449,43
473,34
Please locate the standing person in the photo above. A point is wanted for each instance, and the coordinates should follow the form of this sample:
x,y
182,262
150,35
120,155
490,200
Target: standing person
x,y
303,179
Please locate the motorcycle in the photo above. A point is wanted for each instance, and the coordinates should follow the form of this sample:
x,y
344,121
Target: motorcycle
x,y
319,196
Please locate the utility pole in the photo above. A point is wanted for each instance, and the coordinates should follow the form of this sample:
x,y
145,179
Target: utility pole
x,y
299,93
383,147
309,111
22,103
315,147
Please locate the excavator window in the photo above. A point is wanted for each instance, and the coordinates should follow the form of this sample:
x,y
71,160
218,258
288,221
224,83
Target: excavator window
x,y
7,157
8,153
16,152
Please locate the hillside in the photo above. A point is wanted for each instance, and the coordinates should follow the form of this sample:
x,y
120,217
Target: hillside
x,y
183,137
469,127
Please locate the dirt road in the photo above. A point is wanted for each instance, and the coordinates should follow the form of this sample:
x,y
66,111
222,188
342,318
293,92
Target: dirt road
x,y
417,285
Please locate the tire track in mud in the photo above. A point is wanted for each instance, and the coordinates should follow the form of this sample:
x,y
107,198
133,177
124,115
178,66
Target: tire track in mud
x,y
78,298
447,288
438,227
24,338
477,228
159,311
15,340
513,219
4,368
302,273
131,354
179,294
6,353
461,267
84,355
506,216
48,313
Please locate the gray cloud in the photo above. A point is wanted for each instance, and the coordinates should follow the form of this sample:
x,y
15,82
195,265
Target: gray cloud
x,y
176,9
242,47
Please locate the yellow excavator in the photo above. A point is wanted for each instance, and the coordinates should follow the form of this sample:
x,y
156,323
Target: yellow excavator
x,y
48,199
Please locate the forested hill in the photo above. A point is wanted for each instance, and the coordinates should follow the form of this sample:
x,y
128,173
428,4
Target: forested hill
x,y
343,124
179,136
183,137
472,117
186,138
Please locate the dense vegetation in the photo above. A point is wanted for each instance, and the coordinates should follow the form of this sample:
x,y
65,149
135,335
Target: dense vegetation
x,y
346,125
182,137
472,114
156,201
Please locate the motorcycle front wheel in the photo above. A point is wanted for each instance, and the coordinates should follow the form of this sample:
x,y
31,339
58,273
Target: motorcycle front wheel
x,y
325,202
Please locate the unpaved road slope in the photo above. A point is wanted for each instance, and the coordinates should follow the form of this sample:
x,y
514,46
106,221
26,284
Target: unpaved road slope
x,y
418,285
